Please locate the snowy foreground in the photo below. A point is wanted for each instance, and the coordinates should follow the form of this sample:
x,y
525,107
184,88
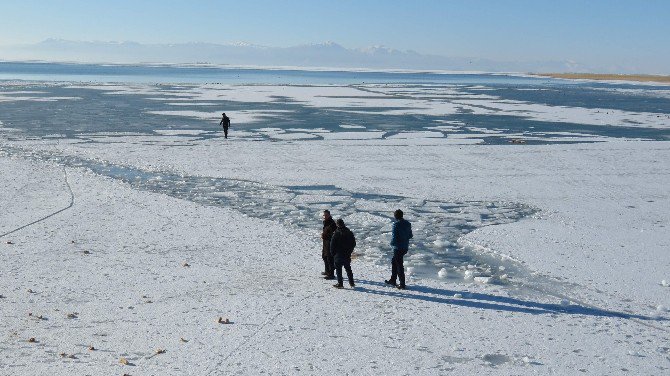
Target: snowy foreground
x,y
132,272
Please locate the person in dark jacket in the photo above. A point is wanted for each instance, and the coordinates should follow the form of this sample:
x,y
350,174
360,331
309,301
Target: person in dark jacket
x,y
225,123
341,247
402,233
329,228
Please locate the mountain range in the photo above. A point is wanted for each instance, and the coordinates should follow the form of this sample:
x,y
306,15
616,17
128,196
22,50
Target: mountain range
x,y
327,54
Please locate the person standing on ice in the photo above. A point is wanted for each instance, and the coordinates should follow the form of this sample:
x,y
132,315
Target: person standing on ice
x,y
329,228
341,247
225,123
400,236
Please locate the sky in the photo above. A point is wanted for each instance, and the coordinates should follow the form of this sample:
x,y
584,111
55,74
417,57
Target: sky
x,y
591,32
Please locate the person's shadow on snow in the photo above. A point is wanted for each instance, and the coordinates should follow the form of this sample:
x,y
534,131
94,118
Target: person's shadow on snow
x,y
488,301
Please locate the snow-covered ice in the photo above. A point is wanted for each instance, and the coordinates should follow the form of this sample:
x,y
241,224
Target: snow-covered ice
x,y
527,259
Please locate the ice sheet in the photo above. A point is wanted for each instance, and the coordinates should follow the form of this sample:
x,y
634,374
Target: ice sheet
x,y
394,100
103,287
579,283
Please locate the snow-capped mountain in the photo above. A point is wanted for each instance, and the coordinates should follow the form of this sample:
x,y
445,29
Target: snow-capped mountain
x,y
328,54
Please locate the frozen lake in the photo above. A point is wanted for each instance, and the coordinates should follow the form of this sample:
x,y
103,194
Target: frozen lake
x,y
180,106
536,202
290,104
304,106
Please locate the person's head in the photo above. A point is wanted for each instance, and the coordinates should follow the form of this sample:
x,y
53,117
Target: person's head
x,y
398,214
223,114
339,222
326,214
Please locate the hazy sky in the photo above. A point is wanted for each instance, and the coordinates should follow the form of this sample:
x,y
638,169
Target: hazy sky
x,y
586,31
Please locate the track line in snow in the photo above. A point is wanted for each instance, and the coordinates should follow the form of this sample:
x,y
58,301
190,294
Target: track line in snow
x,y
67,183
260,328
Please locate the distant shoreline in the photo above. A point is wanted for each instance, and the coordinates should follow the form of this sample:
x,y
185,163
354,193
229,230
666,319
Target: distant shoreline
x,y
607,77
642,78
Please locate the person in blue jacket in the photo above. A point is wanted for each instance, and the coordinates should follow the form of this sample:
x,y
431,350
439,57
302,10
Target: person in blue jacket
x,y
402,233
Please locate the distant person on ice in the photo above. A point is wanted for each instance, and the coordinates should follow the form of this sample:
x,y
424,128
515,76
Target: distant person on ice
x,y
225,123
402,233
341,247
329,228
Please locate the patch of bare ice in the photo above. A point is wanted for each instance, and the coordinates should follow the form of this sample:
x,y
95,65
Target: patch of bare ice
x,y
294,136
409,135
353,135
175,132
6,98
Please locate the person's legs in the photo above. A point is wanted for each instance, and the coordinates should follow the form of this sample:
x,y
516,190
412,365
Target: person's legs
x,y
394,271
350,274
338,269
330,265
400,267
225,132
325,264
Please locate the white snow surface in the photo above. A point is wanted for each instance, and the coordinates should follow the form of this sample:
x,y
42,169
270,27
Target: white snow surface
x,y
132,295
89,261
